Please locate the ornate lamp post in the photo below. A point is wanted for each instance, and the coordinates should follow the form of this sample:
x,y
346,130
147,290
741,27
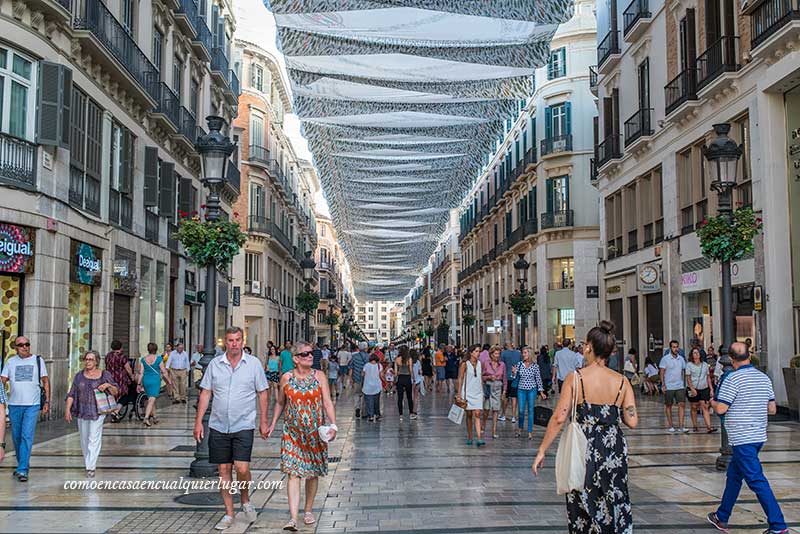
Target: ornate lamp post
x,y
331,305
466,308
429,329
214,149
308,265
521,267
445,336
723,158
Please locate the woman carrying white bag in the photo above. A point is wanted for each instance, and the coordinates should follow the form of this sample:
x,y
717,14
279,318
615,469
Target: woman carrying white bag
x,y
597,397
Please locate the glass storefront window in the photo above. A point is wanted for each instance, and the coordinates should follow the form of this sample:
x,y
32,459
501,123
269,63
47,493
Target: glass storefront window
x,y
566,324
145,306
222,314
697,310
79,325
10,295
161,304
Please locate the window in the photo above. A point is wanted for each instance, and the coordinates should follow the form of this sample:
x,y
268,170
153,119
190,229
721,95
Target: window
x,y
692,188
252,267
558,123
158,44
743,193
614,225
257,130
257,200
557,64
120,209
562,273
323,255
194,98
558,194
644,84
258,78
17,94
85,152
322,230
129,16
177,78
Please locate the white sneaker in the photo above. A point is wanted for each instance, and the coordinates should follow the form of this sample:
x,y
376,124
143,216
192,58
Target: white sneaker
x,y
501,418
513,419
225,523
413,416
685,430
671,429
249,512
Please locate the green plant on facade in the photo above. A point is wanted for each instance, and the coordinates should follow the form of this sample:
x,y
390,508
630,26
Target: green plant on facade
x,y
794,363
332,319
429,332
307,301
469,320
208,243
723,240
522,303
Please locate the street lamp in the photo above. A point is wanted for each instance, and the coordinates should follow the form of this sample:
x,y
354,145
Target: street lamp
x,y
466,308
308,265
444,321
723,157
521,267
214,149
429,321
331,304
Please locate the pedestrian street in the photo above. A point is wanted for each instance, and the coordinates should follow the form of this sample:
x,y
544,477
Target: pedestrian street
x,y
417,476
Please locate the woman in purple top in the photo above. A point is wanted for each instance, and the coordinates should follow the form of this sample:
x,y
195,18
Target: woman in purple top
x,y
82,405
495,382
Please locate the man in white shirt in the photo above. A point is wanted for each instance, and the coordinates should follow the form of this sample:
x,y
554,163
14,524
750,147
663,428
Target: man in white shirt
x,y
344,365
195,363
28,377
326,352
566,361
178,365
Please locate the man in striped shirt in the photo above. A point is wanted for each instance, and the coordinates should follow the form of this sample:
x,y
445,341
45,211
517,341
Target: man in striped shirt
x,y
746,398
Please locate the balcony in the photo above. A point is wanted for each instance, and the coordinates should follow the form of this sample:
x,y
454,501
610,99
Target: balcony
x,y
235,86
120,210
557,219
187,129
637,18
638,127
172,241
91,199
593,80
721,57
185,17
278,234
530,157
168,111
258,224
55,10
564,283
682,89
202,43
556,145
102,36
219,67
151,226
608,52
608,150
254,288
233,178
258,154
773,24
18,162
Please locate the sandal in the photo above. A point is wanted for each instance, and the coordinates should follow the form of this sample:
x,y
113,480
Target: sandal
x,y
147,423
530,436
516,432
308,518
712,430
291,526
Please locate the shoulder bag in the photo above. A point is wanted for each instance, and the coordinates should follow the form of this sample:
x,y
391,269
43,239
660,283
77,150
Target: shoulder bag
x,y
571,455
42,394
460,401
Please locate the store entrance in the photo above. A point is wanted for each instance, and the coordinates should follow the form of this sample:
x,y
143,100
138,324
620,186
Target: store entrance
x,y
10,312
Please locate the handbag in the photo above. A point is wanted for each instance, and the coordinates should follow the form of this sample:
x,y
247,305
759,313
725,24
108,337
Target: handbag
x,y
42,393
459,401
106,403
456,414
542,415
571,455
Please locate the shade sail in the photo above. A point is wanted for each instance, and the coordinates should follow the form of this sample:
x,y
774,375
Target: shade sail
x,y
400,100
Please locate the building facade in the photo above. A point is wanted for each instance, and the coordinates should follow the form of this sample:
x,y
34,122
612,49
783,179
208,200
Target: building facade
x,y
373,318
707,62
335,287
535,199
278,189
443,268
103,102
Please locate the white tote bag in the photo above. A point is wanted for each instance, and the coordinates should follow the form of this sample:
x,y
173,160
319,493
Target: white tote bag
x,y
571,455
456,414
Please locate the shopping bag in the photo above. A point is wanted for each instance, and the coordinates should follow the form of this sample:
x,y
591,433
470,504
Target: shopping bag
x,y
571,454
456,414
106,403
542,415
422,389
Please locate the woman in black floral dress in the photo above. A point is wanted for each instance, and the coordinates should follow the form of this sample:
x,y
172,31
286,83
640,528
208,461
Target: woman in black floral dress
x,y
604,398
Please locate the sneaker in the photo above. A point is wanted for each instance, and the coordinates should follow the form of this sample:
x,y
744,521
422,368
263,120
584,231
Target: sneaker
x,y
401,418
249,512
501,418
225,523
513,419
671,429
712,518
770,531
358,413
22,477
413,416
685,430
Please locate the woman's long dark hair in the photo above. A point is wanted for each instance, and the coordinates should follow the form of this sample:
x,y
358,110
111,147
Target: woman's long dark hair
x,y
601,338
403,355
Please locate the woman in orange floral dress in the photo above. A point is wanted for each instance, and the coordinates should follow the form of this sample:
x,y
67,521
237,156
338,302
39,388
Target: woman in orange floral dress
x,y
305,394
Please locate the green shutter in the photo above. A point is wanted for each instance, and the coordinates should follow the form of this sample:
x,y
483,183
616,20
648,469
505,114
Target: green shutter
x,y
126,162
568,118
54,99
566,190
549,192
150,176
563,52
548,122
185,195
166,197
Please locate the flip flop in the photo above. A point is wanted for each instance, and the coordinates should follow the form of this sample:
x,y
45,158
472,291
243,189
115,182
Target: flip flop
x,y
291,526
308,518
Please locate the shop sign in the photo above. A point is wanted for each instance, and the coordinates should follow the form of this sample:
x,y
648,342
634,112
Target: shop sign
x,y
123,277
121,268
17,246
648,278
613,290
87,268
237,295
592,292
758,298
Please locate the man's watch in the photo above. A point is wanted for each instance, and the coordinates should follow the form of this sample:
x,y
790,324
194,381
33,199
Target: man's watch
x,y
3,445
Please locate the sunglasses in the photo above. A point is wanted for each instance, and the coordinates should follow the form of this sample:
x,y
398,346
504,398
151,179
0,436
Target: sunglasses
x,y
23,344
305,354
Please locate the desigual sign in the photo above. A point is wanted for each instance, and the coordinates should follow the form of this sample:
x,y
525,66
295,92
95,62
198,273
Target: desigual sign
x,y
87,267
17,246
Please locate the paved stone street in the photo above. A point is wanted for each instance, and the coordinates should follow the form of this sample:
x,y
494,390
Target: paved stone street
x,y
417,476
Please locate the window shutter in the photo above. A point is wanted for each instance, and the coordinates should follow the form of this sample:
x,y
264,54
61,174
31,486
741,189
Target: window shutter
x,y
549,195
548,122
65,103
213,22
185,195
568,118
550,67
126,172
52,108
566,191
563,53
150,176
166,197
532,203
252,75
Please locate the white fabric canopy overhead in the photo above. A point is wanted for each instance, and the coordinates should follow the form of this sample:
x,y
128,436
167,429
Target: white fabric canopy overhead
x,y
400,101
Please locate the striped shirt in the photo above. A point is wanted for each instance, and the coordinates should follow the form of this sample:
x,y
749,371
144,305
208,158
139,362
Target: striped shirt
x,y
747,391
529,377
357,363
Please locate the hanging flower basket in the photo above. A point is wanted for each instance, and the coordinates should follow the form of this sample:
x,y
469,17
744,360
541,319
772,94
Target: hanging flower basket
x,y
522,304
721,240
307,301
332,319
209,243
469,320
